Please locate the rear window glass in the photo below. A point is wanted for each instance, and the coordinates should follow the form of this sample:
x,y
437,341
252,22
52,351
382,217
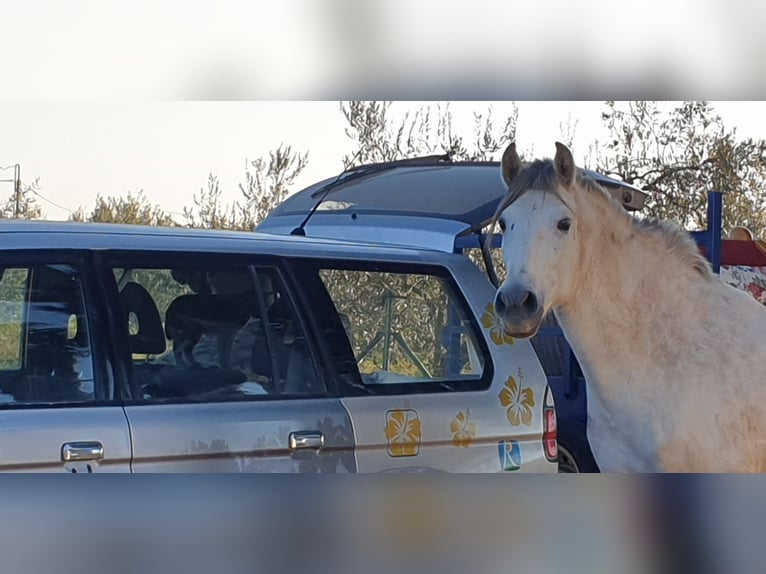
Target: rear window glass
x,y
406,328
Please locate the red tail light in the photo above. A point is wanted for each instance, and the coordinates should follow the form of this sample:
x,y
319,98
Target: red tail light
x,y
550,445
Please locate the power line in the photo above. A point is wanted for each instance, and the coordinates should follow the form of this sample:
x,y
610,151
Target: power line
x,y
17,193
17,190
41,196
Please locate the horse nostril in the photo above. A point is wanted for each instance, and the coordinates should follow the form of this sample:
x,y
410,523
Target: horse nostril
x,y
529,302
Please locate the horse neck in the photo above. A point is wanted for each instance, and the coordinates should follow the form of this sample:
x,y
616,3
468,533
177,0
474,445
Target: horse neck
x,y
632,292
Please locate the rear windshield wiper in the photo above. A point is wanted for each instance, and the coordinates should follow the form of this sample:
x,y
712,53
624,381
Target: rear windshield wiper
x,y
361,171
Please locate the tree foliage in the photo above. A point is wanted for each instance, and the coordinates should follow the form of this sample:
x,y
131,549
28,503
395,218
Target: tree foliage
x,y
129,209
27,206
267,183
379,137
209,212
681,154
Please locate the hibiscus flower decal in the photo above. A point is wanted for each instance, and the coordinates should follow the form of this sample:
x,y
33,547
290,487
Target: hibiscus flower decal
x,y
403,432
463,432
491,321
518,401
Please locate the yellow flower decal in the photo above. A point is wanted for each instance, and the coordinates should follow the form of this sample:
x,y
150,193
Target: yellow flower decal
x,y
403,432
463,432
491,321
518,400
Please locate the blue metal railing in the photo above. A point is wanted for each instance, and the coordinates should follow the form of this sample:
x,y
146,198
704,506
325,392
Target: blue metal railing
x,y
710,239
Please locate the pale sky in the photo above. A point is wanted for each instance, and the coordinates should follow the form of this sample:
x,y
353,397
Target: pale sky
x,y
167,149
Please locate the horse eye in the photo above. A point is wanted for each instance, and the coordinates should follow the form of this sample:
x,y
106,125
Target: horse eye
x,y
564,224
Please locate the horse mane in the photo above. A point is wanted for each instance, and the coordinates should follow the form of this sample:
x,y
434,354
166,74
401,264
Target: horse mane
x,y
541,175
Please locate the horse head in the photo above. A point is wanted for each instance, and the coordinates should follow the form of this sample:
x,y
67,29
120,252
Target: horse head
x,y
540,238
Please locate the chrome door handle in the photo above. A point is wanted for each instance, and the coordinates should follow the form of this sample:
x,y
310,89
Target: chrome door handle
x,y
306,439
74,451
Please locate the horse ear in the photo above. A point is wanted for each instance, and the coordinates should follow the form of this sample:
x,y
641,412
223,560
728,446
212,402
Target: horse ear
x,y
511,164
564,162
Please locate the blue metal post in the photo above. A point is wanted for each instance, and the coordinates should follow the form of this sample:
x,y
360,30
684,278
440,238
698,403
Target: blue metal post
x,y
715,226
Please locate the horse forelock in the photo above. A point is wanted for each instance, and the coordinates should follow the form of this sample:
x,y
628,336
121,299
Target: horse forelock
x,y
540,176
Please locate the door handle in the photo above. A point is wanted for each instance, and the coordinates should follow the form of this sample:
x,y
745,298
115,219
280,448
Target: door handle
x,y
306,439
74,451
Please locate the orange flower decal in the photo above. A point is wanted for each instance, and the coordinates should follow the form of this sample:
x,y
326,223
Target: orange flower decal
x,y
403,432
463,432
491,321
518,401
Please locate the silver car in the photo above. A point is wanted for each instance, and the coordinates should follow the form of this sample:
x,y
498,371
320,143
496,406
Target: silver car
x,y
135,349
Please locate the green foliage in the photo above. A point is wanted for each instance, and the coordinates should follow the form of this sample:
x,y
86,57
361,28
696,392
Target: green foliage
x,y
209,212
267,183
130,209
681,154
27,206
378,137
12,290
419,314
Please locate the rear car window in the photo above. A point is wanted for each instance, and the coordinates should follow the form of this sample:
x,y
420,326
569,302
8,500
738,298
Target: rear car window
x,y
408,329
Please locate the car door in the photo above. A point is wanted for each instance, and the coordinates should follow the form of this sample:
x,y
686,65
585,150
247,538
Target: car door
x,y
57,406
417,376
221,375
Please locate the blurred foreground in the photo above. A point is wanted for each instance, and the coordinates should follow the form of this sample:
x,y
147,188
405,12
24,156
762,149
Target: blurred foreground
x,y
540,525
85,50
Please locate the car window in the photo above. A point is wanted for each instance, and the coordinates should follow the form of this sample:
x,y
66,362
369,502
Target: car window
x,y
45,348
406,328
201,332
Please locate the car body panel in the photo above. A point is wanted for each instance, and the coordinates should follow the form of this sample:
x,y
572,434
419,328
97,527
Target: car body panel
x,y
433,429
32,438
245,436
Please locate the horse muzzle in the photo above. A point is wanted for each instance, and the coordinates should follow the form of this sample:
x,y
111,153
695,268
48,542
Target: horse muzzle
x,y
520,310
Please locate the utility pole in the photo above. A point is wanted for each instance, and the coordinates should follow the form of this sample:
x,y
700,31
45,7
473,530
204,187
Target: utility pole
x,y
16,187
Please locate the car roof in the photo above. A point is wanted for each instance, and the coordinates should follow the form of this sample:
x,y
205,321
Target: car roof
x,y
423,202
42,234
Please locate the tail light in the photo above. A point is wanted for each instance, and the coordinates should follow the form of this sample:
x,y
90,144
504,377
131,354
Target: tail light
x,y
550,445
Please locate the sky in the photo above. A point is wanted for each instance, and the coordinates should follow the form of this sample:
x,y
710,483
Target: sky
x,y
168,148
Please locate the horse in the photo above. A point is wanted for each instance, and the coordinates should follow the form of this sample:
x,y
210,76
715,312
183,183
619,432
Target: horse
x,y
674,359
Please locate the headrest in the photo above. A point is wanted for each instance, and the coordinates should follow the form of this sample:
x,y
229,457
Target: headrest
x,y
145,333
206,312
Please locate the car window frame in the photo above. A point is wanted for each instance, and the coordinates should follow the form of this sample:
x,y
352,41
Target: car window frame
x,y
164,258
105,394
481,384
